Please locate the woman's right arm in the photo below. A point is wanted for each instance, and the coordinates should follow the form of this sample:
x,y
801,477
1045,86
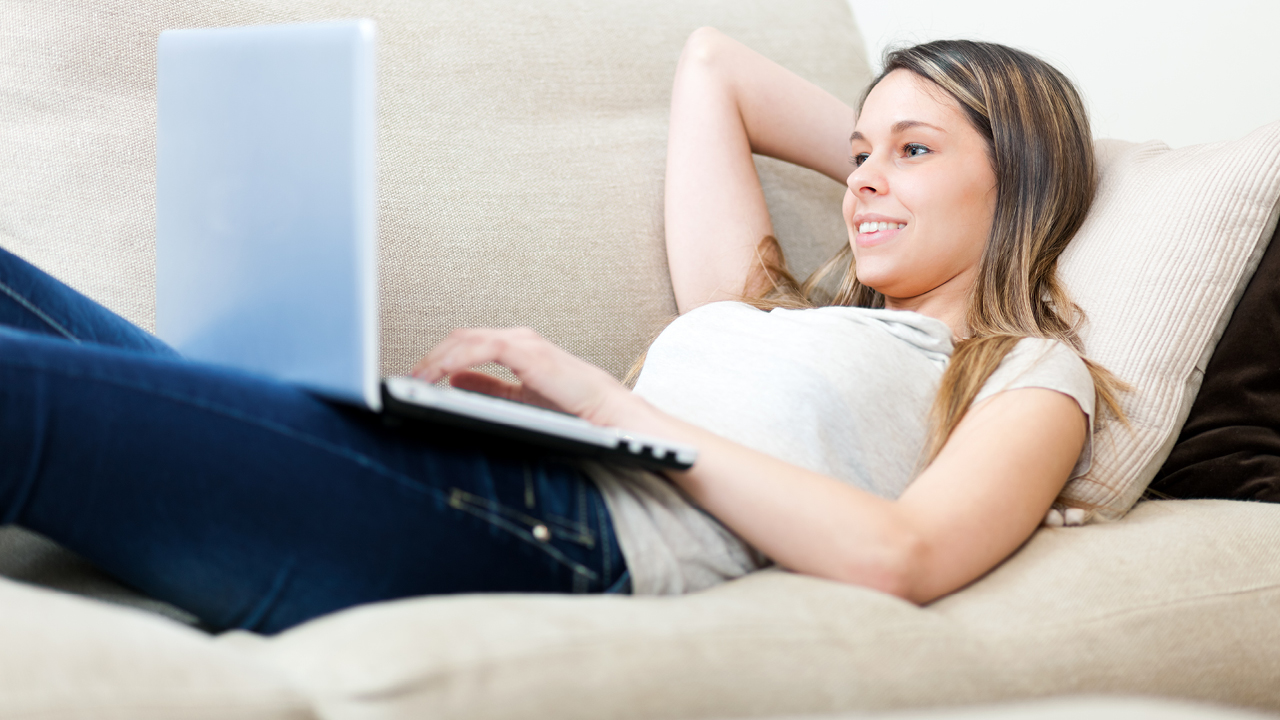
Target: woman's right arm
x,y
728,102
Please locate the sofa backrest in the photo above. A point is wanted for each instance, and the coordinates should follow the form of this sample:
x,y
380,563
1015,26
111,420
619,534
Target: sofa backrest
x,y
521,153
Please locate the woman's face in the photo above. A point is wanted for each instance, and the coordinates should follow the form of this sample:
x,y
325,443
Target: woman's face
x,y
922,195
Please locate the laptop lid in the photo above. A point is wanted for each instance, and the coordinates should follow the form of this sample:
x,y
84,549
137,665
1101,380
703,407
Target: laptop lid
x,y
265,202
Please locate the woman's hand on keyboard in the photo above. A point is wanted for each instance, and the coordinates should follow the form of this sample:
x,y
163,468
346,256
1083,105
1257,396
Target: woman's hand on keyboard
x,y
549,376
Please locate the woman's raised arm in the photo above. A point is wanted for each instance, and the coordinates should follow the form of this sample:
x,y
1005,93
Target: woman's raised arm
x,y
728,102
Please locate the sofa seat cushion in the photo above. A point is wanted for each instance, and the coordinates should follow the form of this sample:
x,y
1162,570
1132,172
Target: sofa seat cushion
x,y
1067,708
1178,600
63,656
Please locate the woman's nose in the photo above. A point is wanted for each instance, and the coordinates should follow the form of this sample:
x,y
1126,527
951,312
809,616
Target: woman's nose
x,y
867,178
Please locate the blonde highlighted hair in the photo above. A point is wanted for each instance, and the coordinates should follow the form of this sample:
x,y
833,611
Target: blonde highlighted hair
x,y
1041,149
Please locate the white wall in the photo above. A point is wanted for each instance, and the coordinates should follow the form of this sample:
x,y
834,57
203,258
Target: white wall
x,y
1182,71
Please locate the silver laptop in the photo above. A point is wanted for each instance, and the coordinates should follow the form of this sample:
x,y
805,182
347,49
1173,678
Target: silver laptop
x,y
266,229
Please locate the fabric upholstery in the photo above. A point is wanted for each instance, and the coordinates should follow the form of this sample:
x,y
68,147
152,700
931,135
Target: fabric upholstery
x,y
521,153
1159,264
521,149
1177,601
1230,445
64,657
1066,708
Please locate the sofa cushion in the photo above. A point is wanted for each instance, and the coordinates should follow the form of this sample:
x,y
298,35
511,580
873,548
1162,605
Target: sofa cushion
x,y
521,153
1178,600
66,657
1068,708
1159,264
1230,445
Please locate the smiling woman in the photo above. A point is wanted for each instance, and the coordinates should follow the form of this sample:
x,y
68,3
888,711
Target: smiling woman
x,y
254,504
982,158
963,193
922,175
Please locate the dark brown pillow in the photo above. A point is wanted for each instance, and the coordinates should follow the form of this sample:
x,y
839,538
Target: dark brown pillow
x,y
1230,445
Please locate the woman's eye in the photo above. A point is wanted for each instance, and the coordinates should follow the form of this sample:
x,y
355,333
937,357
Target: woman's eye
x,y
857,160
914,149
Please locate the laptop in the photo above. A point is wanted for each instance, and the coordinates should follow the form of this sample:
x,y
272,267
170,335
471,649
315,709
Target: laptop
x,y
266,233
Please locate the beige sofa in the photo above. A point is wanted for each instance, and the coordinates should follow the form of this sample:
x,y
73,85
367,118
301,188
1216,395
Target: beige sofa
x,y
521,158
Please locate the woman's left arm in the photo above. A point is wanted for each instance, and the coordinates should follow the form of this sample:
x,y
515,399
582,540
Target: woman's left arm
x,y
971,508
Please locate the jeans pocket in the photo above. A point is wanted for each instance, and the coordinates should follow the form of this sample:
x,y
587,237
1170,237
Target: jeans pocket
x,y
553,506
542,527
550,535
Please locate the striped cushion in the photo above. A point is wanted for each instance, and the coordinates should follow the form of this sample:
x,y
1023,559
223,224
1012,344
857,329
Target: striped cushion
x,y
1161,261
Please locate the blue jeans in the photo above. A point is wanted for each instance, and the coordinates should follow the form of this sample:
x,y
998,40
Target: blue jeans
x,y
253,504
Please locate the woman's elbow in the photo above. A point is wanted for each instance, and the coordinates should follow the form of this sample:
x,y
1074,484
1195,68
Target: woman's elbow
x,y
703,48
893,567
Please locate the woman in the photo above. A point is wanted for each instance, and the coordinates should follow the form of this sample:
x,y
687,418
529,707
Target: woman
x,y
255,505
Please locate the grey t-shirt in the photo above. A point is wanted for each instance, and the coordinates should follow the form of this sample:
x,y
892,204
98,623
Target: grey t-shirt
x,y
838,390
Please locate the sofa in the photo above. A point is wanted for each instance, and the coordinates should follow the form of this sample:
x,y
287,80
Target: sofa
x,y
521,152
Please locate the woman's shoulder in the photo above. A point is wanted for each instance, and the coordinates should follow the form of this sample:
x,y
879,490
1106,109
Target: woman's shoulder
x,y
1043,363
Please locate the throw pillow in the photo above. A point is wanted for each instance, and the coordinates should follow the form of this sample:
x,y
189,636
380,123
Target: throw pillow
x,y
1172,239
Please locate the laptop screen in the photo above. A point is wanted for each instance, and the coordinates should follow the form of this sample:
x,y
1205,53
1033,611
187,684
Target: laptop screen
x,y
265,202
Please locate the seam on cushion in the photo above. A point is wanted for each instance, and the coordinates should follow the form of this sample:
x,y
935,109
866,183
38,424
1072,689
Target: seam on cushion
x,y
543,653
1271,588
184,703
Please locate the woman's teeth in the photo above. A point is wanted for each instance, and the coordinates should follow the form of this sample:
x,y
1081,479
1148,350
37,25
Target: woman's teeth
x,y
870,227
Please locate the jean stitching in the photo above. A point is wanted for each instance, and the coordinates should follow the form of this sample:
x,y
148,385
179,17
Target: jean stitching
x,y
358,458
623,580
529,501
40,314
263,606
584,523
606,549
568,529
458,500
569,526
581,528
498,508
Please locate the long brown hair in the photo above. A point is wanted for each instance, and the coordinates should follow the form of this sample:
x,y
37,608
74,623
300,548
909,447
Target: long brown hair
x,y
1041,150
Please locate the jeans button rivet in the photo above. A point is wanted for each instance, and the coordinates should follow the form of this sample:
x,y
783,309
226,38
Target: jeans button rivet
x,y
541,533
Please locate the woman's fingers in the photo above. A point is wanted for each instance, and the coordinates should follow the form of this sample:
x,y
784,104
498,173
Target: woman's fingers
x,y
485,383
497,387
469,347
548,376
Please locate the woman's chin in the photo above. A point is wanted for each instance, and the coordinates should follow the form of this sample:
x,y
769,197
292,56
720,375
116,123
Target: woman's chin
x,y
890,285
869,277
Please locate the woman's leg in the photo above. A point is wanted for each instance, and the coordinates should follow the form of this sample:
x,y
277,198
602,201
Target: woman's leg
x,y
32,300
254,504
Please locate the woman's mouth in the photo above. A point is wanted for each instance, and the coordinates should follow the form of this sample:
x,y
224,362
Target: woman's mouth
x,y
874,233
870,227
